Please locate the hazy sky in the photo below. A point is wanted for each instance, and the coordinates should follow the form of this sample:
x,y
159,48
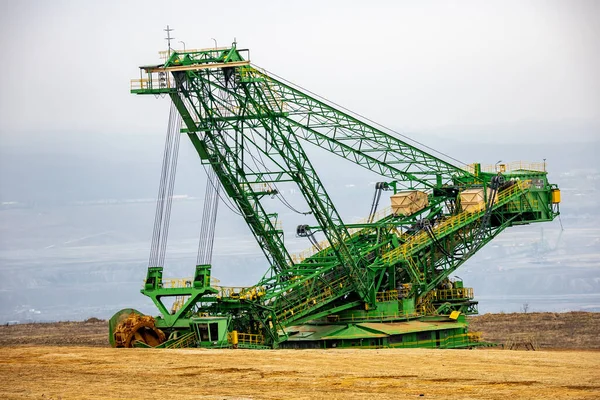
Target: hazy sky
x,y
417,65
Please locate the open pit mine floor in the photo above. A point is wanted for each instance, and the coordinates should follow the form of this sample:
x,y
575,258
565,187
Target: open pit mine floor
x,y
48,372
72,360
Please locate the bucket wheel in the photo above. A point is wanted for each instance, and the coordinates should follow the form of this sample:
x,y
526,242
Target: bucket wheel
x,y
129,326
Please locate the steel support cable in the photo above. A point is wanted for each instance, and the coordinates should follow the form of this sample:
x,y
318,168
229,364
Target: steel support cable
x,y
204,222
371,210
203,226
176,127
314,241
212,225
475,243
375,203
209,219
159,214
485,220
224,200
278,194
435,240
160,198
294,85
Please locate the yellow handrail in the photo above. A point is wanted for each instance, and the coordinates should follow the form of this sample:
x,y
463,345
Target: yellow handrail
x,y
250,338
449,224
510,167
390,295
139,84
326,292
456,293
311,251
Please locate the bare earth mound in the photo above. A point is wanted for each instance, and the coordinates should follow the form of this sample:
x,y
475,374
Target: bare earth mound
x,y
93,333
570,330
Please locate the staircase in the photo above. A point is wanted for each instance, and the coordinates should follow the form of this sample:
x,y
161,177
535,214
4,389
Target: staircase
x,y
312,296
186,340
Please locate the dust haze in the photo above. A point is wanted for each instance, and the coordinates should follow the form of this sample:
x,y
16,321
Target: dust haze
x,y
80,157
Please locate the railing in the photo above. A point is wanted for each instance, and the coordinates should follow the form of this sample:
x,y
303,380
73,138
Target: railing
x,y
384,212
327,292
511,167
451,294
251,338
157,80
139,84
262,187
242,292
186,340
390,295
178,303
451,224
239,292
474,336
311,251
424,305
177,283
165,54
380,317
249,72
515,206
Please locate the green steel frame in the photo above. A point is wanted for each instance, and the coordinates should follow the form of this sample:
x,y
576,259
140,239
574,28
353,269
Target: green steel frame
x,y
249,125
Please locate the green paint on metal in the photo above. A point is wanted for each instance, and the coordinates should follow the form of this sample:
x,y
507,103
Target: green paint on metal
x,y
383,283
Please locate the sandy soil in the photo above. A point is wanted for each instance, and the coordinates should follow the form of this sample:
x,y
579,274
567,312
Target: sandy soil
x,y
101,373
570,330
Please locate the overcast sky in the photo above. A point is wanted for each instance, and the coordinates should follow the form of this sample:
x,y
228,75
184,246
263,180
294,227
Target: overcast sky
x,y
414,66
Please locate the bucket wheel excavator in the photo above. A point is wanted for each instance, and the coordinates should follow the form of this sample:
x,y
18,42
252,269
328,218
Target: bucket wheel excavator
x,y
380,282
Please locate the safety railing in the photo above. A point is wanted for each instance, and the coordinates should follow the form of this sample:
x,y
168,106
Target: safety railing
x,y
240,292
474,336
262,188
166,54
453,294
251,338
154,81
515,206
390,295
248,73
379,317
178,303
187,340
171,283
237,292
311,251
327,292
510,167
424,305
451,224
139,84
384,212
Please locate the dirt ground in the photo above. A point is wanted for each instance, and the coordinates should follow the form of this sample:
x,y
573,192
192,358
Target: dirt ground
x,y
570,330
71,360
46,372
90,333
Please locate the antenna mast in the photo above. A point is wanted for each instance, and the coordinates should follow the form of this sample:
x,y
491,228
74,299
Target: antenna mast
x,y
168,39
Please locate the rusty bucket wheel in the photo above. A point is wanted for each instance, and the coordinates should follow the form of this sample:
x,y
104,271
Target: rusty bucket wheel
x,y
129,326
